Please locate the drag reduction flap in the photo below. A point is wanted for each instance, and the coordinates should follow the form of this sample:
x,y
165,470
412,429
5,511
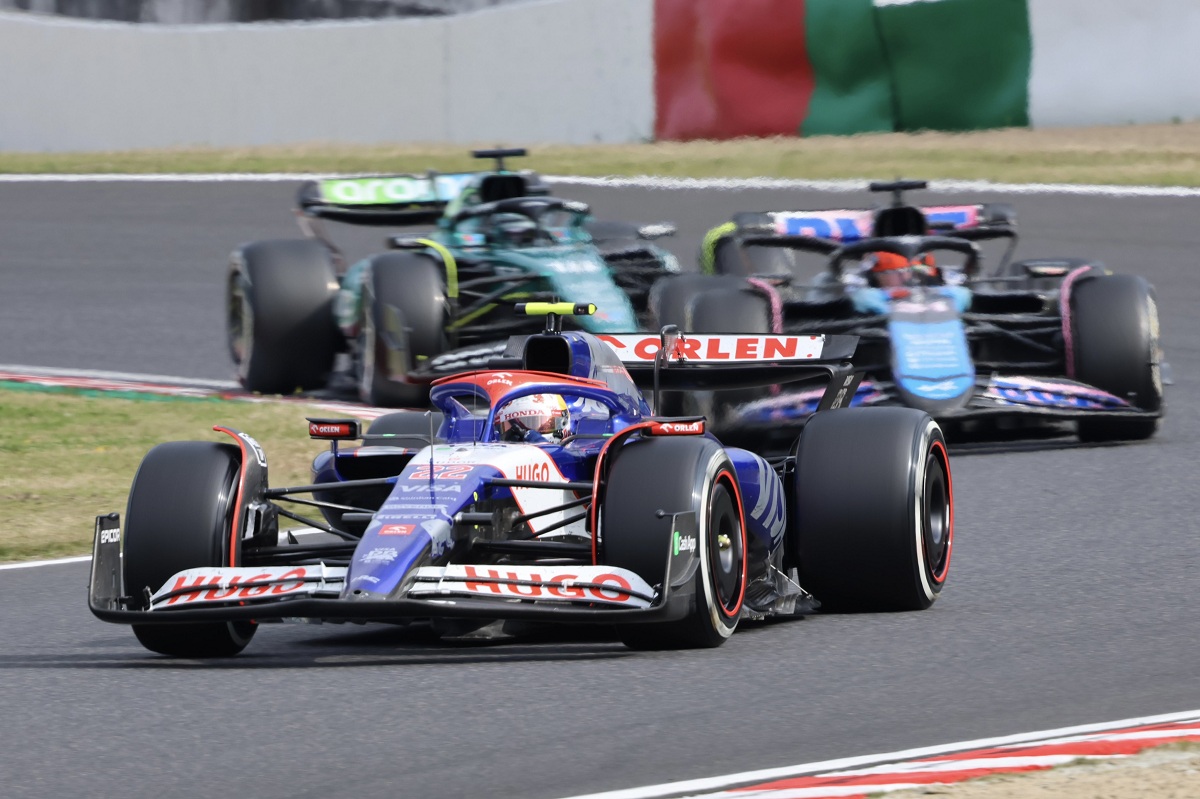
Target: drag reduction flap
x,y
731,360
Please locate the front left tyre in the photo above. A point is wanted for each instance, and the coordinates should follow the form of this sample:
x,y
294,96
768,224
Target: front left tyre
x,y
651,480
179,516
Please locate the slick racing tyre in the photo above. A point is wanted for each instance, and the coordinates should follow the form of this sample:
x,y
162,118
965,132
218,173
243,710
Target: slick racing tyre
x,y
279,321
872,522
671,303
650,480
671,298
1115,347
179,514
405,315
751,261
727,311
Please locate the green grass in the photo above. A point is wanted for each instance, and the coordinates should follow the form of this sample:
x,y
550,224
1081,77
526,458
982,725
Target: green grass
x,y
1163,155
71,455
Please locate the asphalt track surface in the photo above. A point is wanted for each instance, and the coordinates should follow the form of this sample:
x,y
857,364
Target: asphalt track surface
x,y
1071,599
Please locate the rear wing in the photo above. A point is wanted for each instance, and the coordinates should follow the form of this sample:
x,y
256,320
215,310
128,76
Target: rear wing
x,y
847,225
399,200
387,200
825,231
700,361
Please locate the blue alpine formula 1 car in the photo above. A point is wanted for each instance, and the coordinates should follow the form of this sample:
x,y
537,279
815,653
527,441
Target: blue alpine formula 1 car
x,y
1009,348
544,488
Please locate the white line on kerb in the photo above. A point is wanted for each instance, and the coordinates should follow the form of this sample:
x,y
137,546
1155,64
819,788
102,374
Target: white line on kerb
x,y
689,787
129,377
652,182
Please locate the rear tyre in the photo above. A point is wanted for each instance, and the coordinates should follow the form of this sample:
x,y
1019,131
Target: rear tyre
x,y
1114,323
279,320
727,311
671,298
670,303
872,524
751,261
179,515
405,309
649,481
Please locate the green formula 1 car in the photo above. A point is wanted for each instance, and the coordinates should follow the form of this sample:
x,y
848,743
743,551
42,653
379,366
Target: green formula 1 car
x,y
419,310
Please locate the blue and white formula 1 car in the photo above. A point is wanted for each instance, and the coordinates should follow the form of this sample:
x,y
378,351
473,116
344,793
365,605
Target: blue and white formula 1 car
x,y
543,488
1014,346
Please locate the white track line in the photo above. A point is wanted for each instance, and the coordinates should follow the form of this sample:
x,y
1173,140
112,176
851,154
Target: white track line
x,y
30,564
709,784
652,182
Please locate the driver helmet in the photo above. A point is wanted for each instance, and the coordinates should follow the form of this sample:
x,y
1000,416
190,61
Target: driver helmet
x,y
889,270
513,229
536,417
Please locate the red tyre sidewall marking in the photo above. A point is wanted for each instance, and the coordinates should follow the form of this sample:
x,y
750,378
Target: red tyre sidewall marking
x,y
737,499
940,578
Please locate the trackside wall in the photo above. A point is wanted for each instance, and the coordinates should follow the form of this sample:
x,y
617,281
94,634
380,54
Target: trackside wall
x,y
1102,62
575,71
580,71
809,67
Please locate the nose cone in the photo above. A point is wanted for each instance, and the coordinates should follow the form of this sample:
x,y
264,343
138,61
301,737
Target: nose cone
x,y
931,363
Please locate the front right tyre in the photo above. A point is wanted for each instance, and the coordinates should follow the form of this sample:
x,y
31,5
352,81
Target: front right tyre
x,y
1115,347
179,516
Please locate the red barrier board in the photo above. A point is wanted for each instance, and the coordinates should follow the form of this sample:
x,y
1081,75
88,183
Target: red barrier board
x,y
730,68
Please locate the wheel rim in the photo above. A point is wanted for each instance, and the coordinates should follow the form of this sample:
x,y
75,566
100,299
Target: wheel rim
x,y
937,517
238,324
1156,357
726,548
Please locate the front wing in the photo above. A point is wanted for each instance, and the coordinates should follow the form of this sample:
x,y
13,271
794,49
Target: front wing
x,y
315,591
1050,398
